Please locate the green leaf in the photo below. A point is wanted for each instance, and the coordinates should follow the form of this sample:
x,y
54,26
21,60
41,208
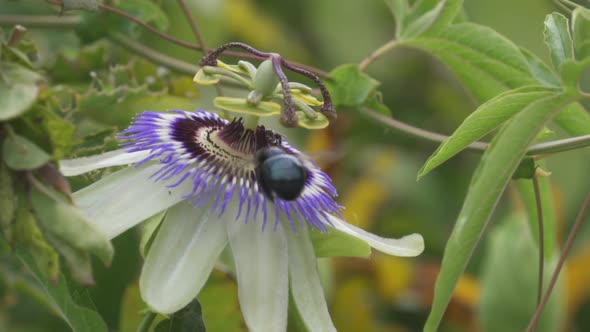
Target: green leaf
x,y
28,236
399,9
581,32
67,223
574,119
337,243
491,177
78,317
525,170
571,71
7,200
21,154
47,129
431,17
558,38
18,90
509,283
349,87
540,71
188,319
124,102
483,120
486,62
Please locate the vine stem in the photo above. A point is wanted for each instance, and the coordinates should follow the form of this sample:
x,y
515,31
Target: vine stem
x,y
146,321
54,21
193,23
535,150
541,238
376,54
568,246
189,69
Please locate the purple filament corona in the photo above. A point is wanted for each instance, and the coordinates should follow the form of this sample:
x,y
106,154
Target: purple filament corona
x,y
219,158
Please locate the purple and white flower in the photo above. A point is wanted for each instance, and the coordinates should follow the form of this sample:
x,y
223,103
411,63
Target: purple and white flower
x,y
202,170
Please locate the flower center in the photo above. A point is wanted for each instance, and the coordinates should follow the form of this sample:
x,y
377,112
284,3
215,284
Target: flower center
x,y
220,159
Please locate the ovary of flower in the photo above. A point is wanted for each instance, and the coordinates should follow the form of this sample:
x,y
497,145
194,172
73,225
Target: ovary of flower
x,y
200,168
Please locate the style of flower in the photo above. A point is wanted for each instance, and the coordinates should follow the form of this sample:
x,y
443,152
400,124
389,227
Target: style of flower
x,y
202,169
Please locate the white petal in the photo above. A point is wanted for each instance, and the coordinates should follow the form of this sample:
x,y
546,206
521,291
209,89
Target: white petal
x,y
261,267
407,246
181,257
125,198
305,283
71,167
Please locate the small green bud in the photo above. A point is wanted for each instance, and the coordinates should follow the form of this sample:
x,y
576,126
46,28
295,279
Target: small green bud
x,y
266,80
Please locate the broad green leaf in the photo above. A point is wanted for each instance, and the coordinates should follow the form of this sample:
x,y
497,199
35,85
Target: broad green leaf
x,y
79,318
188,319
581,32
558,38
399,9
376,104
67,223
47,129
18,90
540,71
509,282
337,243
483,120
491,177
21,154
124,102
571,71
431,16
28,236
486,62
79,262
349,87
574,119
424,22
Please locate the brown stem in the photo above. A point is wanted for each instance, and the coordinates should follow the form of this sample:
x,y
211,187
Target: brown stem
x,y
150,28
568,246
541,238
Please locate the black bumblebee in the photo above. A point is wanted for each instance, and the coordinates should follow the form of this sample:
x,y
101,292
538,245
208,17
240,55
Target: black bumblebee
x,y
280,173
